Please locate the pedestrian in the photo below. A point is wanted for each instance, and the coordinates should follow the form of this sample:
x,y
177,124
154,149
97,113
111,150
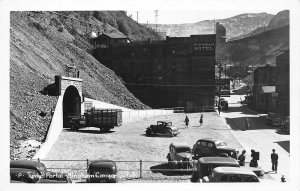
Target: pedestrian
x,y
242,158
247,123
219,108
186,122
274,159
201,120
255,157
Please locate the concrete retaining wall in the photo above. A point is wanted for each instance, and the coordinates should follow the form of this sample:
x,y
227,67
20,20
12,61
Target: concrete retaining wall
x,y
130,115
56,126
54,130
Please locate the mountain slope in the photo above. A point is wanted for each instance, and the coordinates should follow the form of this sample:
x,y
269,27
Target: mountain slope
x,y
235,26
260,47
42,45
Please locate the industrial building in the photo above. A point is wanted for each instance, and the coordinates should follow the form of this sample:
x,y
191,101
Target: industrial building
x,y
283,83
176,72
264,92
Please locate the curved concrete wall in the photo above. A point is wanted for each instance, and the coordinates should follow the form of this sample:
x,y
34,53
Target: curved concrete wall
x,y
56,126
54,130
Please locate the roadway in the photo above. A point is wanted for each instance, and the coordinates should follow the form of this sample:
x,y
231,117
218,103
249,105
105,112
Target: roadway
x,y
260,136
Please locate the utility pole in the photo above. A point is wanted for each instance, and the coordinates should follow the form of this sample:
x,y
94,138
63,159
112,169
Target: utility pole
x,y
215,27
156,16
137,16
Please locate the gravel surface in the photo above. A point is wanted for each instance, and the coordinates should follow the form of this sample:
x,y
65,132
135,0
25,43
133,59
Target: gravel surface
x,y
129,143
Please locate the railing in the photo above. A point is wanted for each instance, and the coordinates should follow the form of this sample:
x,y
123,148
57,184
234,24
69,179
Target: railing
x,y
126,169
199,109
131,169
166,111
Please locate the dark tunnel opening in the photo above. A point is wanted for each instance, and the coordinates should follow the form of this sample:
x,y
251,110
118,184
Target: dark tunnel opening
x,y
71,106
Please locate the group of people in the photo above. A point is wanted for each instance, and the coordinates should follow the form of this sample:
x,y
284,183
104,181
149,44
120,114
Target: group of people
x,y
187,120
254,155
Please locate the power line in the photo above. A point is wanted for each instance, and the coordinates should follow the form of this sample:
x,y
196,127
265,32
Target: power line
x,y
156,16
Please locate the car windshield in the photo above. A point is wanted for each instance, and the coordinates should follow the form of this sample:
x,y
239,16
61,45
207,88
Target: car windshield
x,y
183,149
220,144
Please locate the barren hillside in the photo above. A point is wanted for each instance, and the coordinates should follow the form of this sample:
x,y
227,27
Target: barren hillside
x,y
261,47
235,26
42,45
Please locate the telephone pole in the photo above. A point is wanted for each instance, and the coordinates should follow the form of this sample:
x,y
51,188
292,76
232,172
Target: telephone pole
x,y
137,16
156,16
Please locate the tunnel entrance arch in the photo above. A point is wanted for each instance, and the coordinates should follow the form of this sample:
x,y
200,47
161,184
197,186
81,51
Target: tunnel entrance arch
x,y
70,89
71,105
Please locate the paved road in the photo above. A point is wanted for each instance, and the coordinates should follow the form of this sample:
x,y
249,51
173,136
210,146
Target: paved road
x,y
260,136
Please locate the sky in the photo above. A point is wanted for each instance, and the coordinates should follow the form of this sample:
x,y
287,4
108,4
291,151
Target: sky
x,y
188,16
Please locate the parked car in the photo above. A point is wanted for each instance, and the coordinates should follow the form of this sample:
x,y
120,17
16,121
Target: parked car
x,y
205,165
212,147
231,174
28,171
285,126
224,104
273,119
180,155
102,171
162,128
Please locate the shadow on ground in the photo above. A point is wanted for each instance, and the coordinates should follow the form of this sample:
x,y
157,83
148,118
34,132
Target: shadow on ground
x,y
285,145
165,169
239,123
89,131
157,135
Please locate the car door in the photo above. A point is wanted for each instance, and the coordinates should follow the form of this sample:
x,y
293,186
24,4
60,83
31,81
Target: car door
x,y
172,152
210,149
204,148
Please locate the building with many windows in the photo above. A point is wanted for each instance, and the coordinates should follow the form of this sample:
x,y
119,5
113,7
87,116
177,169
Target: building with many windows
x,y
178,71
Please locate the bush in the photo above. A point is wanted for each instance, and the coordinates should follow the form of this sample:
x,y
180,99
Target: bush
x,y
123,27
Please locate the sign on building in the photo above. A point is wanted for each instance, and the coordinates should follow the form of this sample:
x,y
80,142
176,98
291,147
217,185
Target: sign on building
x,y
223,86
204,48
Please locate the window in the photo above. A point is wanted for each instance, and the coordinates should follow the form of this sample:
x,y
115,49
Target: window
x,y
210,145
204,144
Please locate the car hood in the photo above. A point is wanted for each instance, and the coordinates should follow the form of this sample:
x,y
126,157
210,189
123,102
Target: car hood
x,y
174,128
225,148
185,155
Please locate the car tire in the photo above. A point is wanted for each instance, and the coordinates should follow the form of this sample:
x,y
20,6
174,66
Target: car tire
x,y
149,133
169,133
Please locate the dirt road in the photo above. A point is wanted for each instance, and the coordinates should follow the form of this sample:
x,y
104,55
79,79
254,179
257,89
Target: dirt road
x,y
129,143
259,136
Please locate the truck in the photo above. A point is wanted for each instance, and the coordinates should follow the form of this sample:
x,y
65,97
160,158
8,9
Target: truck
x,y
104,119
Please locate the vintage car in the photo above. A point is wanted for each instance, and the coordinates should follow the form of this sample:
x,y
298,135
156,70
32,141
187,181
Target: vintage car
x,y
180,155
102,171
205,165
212,147
223,103
162,128
273,119
28,171
285,125
231,174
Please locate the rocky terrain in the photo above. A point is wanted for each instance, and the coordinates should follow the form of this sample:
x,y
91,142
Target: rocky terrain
x,y
259,47
45,44
235,26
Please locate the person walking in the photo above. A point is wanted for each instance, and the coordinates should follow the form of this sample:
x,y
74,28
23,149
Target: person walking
x,y
242,158
186,122
219,108
201,120
274,159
